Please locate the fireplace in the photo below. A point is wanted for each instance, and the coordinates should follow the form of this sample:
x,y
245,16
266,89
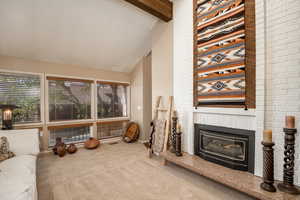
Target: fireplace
x,y
233,148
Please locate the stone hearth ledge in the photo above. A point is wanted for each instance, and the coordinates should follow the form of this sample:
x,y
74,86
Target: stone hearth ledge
x,y
239,180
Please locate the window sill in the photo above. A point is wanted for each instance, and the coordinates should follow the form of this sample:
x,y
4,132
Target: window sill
x,y
27,126
58,123
113,119
70,122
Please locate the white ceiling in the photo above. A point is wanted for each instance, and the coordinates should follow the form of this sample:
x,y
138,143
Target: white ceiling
x,y
103,34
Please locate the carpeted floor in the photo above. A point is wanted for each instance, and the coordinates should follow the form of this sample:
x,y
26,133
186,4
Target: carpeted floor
x,y
122,172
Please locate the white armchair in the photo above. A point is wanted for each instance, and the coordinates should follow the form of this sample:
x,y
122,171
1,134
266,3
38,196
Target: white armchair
x,y
23,142
18,174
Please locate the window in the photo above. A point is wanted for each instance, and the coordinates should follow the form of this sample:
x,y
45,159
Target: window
x,y
70,134
23,90
112,100
111,129
69,99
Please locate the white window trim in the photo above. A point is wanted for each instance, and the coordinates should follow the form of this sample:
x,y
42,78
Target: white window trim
x,y
94,102
42,97
58,123
128,102
47,113
95,105
67,76
44,102
112,81
113,119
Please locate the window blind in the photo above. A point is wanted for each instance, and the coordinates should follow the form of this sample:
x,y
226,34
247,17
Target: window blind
x,y
24,91
69,99
112,100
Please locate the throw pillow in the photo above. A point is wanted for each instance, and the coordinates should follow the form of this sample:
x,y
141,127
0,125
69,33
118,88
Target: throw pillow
x,y
5,153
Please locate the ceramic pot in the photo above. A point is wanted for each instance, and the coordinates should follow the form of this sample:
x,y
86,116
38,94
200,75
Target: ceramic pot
x,y
61,151
91,143
72,148
59,142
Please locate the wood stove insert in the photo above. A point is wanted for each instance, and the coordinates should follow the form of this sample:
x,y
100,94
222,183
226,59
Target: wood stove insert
x,y
233,148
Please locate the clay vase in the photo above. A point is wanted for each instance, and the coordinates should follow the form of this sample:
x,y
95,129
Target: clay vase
x,y
91,143
61,151
58,143
71,148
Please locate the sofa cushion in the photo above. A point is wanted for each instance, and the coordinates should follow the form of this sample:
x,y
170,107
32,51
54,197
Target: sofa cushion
x,y
18,178
23,142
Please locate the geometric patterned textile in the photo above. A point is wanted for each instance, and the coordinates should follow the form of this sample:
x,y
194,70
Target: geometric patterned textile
x,y
220,52
159,136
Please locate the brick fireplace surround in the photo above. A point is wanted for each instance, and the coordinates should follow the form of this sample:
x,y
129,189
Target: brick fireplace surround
x,y
277,79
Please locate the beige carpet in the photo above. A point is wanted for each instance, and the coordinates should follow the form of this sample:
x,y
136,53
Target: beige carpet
x,y
122,172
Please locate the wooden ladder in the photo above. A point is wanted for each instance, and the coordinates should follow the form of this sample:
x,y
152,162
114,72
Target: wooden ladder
x,y
156,111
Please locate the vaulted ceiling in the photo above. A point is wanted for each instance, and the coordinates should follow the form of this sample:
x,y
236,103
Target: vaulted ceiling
x,y
104,34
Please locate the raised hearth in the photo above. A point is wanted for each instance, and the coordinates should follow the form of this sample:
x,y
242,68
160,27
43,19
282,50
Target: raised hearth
x,y
239,180
233,148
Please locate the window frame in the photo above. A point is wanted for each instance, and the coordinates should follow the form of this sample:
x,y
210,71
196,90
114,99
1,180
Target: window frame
x,y
66,126
62,122
45,124
42,99
109,122
128,99
94,107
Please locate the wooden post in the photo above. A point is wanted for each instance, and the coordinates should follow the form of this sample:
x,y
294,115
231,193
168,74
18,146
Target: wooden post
x,y
268,167
167,131
173,135
289,158
178,144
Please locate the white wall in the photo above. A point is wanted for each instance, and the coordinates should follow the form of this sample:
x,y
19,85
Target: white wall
x,y
147,94
162,61
183,68
277,78
33,66
136,95
283,74
25,65
141,96
152,76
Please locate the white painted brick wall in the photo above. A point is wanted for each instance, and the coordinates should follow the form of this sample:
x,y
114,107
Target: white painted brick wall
x,y
183,68
277,78
260,84
283,67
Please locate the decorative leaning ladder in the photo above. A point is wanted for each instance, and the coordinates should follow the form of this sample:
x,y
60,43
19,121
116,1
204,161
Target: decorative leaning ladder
x,y
167,129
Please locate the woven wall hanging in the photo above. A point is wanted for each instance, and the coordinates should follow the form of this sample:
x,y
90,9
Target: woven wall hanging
x,y
220,64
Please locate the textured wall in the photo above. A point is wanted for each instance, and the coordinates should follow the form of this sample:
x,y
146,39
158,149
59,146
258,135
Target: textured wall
x,y
277,84
136,95
282,74
162,58
147,94
141,96
25,65
183,68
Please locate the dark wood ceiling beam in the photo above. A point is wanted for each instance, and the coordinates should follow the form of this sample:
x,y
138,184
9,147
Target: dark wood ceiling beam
x,y
162,9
